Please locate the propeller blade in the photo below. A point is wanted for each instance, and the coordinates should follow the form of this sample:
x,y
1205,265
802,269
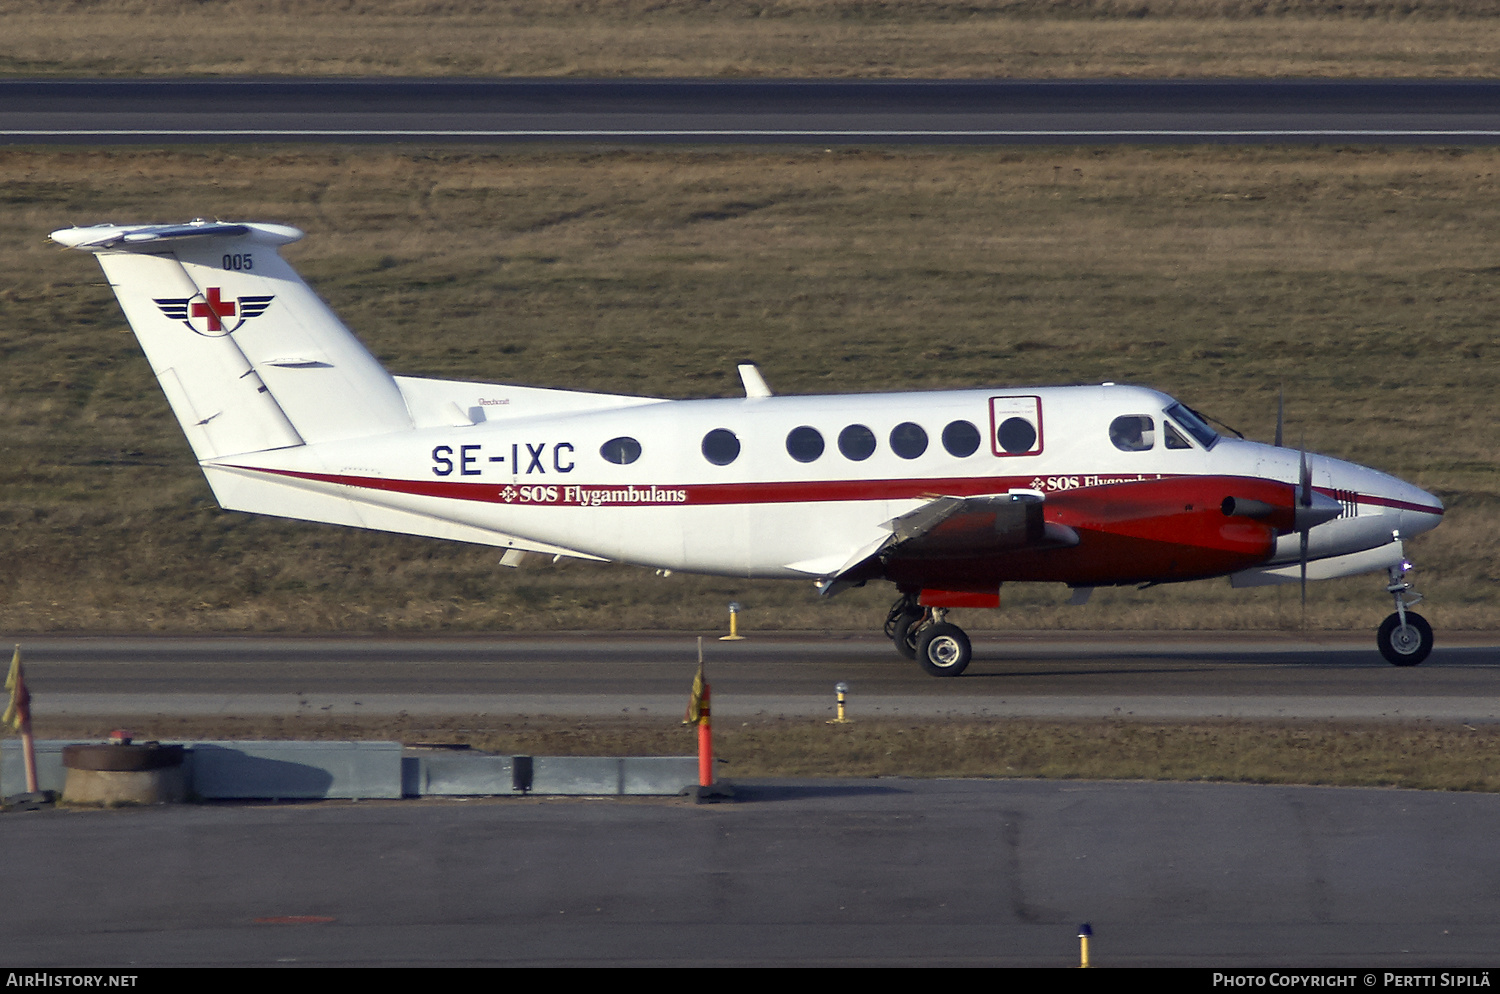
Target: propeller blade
x,y
1304,497
1304,482
1280,411
1303,561
1313,509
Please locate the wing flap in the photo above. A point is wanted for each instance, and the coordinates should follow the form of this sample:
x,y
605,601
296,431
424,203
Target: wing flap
x,y
949,528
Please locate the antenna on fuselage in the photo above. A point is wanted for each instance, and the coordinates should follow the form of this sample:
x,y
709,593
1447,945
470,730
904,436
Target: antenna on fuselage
x,y
1280,411
755,384
1304,499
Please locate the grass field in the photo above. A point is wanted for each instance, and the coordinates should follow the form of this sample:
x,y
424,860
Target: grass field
x,y
803,38
1362,279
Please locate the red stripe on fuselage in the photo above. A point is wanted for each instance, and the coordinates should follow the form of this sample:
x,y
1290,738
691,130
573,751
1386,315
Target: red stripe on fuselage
x,y
1400,505
779,492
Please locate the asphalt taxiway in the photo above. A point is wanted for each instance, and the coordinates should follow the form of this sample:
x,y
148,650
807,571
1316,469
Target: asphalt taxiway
x,y
626,111
870,873
1164,675
857,872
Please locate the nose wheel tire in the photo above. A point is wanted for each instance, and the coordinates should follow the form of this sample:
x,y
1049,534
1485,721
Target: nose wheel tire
x,y
943,650
1408,644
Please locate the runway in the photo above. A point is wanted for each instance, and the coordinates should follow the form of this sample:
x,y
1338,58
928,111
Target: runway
x,y
632,111
1064,675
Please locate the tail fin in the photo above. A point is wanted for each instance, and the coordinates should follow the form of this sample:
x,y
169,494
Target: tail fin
x,y
248,356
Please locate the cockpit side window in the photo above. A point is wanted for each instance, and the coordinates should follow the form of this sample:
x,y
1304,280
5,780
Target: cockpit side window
x,y
1174,437
1193,425
1133,432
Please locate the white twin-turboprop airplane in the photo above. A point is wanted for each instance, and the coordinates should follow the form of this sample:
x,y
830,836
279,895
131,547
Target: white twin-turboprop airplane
x,y
947,494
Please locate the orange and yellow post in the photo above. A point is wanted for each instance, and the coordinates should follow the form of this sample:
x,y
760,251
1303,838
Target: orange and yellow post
x,y
698,714
18,716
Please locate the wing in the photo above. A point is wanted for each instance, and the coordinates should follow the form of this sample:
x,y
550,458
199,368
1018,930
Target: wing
x,y
955,528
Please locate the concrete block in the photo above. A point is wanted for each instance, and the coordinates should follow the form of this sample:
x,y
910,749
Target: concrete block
x,y
472,773
297,770
50,773
575,775
657,774
224,770
457,774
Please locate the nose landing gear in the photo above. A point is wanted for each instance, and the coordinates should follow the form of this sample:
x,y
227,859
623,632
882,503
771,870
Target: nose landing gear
x,y
1405,637
923,634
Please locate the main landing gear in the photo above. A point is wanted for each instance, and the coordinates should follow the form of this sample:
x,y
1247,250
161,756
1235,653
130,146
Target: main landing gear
x,y
922,634
1405,637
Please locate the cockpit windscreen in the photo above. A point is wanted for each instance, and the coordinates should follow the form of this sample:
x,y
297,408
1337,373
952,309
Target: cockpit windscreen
x,y
1193,425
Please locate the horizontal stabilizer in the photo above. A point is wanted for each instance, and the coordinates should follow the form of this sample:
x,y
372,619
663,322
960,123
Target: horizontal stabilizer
x,y
107,236
237,489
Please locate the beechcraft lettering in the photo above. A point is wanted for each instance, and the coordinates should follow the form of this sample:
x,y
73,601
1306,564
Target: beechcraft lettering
x,y
947,495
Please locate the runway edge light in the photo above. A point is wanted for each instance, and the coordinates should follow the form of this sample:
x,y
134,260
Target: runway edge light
x,y
840,691
734,624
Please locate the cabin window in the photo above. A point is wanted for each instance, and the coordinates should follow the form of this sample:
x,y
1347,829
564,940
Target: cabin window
x,y
908,440
961,438
1174,437
857,442
621,451
1133,432
721,447
804,444
1016,435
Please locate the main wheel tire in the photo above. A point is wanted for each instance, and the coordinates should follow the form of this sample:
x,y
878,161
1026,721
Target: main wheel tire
x,y
1405,645
943,650
905,635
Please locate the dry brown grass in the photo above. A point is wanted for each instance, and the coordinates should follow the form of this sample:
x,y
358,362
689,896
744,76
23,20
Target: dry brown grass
x,y
802,38
1429,757
1363,279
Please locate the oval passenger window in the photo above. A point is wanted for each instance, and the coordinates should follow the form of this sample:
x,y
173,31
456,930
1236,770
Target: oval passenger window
x,y
1016,435
908,440
804,444
960,438
621,451
721,447
857,442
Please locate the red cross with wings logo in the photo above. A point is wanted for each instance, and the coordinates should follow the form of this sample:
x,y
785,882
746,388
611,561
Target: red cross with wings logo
x,y
214,309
